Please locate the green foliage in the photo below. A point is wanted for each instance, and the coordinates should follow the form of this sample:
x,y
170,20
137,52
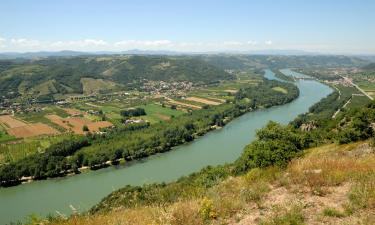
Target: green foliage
x,y
357,124
266,96
275,145
85,128
51,163
331,212
133,112
193,185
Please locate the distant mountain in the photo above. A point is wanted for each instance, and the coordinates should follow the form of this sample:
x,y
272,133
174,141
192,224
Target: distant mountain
x,y
67,53
42,54
370,66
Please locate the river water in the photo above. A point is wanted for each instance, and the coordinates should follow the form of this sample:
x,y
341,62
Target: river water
x,y
217,147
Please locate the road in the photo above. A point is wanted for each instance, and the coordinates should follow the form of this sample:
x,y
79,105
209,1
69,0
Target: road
x,y
356,86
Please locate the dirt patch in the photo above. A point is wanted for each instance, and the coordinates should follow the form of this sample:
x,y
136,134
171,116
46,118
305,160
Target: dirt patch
x,y
311,205
11,122
75,124
202,100
233,91
73,112
184,104
96,126
32,130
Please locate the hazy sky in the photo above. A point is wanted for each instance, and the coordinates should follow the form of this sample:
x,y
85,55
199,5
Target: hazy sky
x,y
329,26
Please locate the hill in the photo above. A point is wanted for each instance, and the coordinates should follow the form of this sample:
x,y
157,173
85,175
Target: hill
x,y
27,76
370,66
240,62
318,188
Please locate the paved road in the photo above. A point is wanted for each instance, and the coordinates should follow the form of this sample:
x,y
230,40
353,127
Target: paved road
x,y
359,89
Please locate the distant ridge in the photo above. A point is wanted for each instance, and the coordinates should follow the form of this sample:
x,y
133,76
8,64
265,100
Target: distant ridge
x,y
71,53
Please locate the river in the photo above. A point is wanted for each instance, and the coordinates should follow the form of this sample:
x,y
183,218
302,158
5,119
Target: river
x,y
217,147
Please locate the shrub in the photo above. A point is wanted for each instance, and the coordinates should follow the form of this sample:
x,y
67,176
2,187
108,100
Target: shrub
x,y
331,212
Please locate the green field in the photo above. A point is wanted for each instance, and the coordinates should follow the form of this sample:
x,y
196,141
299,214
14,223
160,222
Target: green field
x,y
358,101
156,113
28,146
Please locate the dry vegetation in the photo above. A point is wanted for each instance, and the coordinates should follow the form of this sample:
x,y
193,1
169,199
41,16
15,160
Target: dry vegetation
x,y
329,185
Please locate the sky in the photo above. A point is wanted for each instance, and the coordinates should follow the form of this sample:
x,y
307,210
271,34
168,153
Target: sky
x,y
325,26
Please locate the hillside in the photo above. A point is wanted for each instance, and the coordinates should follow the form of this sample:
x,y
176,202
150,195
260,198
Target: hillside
x,y
330,184
370,66
67,73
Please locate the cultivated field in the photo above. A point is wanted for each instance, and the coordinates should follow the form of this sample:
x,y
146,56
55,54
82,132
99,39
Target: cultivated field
x,y
76,124
31,130
73,112
203,100
171,101
11,122
20,129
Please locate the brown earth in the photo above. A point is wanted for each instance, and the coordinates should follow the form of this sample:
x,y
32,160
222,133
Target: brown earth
x,y
72,112
202,100
75,124
11,122
32,130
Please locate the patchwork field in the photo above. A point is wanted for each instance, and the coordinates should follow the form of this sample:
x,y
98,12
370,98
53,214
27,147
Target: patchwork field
x,y
203,100
156,113
180,103
20,129
76,124
11,122
31,130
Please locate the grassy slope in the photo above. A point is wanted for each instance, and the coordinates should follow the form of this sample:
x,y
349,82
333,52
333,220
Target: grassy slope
x,y
319,187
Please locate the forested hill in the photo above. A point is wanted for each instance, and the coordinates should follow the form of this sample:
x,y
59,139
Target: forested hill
x,y
63,74
370,66
240,62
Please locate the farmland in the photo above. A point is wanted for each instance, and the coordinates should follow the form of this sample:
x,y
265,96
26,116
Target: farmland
x,y
20,129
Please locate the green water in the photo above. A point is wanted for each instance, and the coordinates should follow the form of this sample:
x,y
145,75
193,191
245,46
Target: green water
x,y
217,147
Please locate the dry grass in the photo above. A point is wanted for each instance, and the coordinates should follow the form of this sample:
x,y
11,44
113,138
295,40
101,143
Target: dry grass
x,y
324,167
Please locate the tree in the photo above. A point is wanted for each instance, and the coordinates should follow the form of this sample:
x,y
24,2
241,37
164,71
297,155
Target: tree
x,y
85,128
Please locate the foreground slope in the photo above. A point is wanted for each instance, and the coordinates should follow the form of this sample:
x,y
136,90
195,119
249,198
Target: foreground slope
x,y
331,184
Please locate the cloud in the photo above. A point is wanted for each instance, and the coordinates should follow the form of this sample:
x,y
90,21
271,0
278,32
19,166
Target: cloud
x,y
232,43
80,44
252,42
143,44
268,42
24,43
2,42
